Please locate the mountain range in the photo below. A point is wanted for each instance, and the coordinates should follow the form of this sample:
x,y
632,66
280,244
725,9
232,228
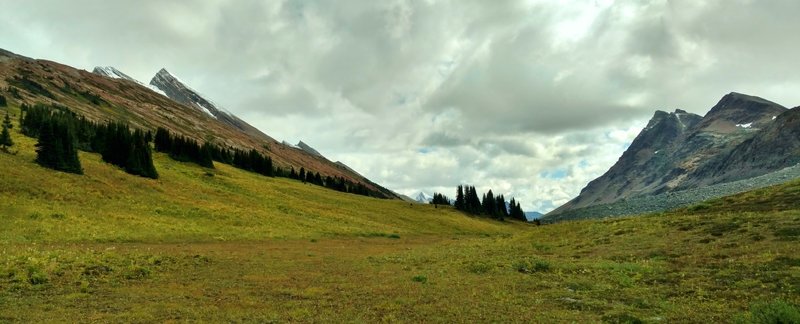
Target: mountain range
x,y
741,137
108,94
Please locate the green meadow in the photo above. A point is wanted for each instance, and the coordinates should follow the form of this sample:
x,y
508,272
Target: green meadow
x,y
226,245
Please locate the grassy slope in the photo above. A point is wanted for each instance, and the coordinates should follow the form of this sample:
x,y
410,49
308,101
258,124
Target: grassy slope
x,y
190,203
237,247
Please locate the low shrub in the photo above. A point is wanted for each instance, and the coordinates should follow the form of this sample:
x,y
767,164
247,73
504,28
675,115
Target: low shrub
x,y
420,279
775,312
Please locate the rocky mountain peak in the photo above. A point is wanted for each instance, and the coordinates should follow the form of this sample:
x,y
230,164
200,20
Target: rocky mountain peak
x,y
308,149
164,78
742,103
111,72
736,111
741,136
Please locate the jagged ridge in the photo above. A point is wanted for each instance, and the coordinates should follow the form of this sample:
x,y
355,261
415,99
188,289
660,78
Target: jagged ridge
x,y
680,150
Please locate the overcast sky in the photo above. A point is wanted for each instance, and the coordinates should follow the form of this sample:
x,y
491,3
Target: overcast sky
x,y
530,98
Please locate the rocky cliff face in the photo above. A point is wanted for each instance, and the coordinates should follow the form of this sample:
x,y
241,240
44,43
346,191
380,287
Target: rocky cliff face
x,y
176,90
681,150
775,146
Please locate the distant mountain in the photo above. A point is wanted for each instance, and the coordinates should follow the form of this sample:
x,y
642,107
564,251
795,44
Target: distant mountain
x,y
423,198
533,215
742,136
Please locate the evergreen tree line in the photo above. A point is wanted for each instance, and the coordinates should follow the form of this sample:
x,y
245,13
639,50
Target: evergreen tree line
x,y
340,184
334,183
56,148
495,207
440,199
184,149
122,147
61,133
252,161
306,177
188,150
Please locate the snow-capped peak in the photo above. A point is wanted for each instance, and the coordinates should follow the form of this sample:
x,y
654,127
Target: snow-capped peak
x,y
180,91
423,198
111,72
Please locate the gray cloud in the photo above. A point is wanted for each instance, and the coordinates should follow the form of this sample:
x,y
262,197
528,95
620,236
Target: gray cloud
x,y
531,98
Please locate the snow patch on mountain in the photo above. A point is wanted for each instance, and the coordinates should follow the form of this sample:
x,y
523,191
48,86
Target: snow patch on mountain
x,y
179,91
155,89
111,72
205,109
290,145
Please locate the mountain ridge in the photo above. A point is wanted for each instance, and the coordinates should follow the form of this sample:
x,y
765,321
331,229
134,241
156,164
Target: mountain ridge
x,y
680,150
122,100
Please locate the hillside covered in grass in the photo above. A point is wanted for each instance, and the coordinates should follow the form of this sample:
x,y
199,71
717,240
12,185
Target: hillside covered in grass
x,y
189,202
224,245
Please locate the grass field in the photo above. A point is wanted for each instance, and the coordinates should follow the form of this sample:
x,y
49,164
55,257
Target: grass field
x,y
225,245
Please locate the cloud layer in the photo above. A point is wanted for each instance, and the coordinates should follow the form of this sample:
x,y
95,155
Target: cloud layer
x,y
530,98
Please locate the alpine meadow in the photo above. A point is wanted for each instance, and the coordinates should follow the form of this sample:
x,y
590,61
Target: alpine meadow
x,y
611,161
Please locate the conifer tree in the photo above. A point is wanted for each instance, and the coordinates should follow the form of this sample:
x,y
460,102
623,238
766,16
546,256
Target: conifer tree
x,y
3,101
460,198
5,136
501,206
440,199
56,147
205,156
140,159
474,202
489,204
7,122
162,140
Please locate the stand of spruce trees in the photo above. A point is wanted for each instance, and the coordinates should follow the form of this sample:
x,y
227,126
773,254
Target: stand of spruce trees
x,y
495,207
56,148
440,199
60,133
188,150
183,149
126,149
